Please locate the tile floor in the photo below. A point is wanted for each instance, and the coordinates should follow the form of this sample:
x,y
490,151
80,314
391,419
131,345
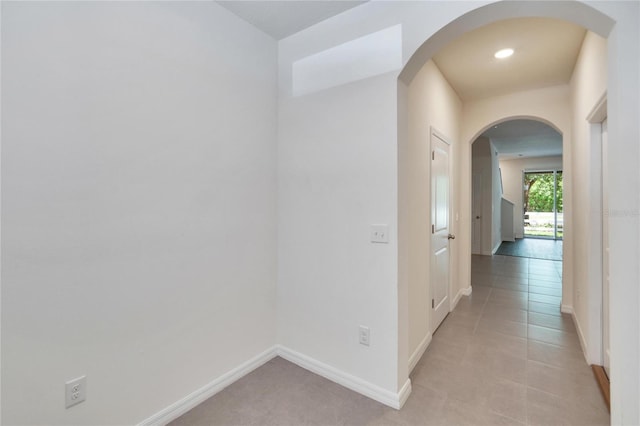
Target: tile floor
x,y
537,248
504,356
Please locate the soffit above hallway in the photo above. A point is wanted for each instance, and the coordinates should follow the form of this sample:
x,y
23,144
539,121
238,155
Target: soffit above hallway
x,y
281,19
515,139
546,51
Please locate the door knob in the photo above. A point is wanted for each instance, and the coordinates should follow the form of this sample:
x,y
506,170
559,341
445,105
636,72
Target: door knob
x,y
451,237
477,217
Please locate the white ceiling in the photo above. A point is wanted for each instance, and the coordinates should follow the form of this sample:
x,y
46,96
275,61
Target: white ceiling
x,y
524,138
280,18
545,55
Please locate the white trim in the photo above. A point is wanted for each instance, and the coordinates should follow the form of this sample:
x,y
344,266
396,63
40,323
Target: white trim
x,y
566,309
599,111
462,292
185,404
404,393
417,354
495,249
356,384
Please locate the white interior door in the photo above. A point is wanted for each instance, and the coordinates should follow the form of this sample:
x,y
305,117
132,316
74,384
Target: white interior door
x,y
605,251
440,190
476,227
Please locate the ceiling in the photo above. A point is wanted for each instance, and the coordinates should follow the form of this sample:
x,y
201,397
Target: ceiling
x,y
524,138
281,19
546,51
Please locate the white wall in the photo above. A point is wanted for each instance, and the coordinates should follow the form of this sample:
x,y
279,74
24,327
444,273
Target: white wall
x,y
336,177
138,204
623,105
432,104
588,85
338,162
512,170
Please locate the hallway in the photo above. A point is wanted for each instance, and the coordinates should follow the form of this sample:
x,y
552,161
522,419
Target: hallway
x,y
508,350
505,356
536,248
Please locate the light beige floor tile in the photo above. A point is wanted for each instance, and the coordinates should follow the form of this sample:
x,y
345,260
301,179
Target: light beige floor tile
x,y
508,294
543,298
554,337
557,356
453,333
464,318
448,351
495,363
508,399
510,328
544,308
545,283
520,279
510,345
504,313
562,322
550,291
469,414
544,409
535,278
564,383
517,304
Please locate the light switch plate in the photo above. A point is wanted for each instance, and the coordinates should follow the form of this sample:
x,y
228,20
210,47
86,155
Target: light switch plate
x,y
380,234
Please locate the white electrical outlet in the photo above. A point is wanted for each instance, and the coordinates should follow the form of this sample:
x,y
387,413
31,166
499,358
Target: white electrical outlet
x,y
75,391
380,233
364,335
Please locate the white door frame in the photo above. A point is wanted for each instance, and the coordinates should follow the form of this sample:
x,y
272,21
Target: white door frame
x,y
476,213
594,351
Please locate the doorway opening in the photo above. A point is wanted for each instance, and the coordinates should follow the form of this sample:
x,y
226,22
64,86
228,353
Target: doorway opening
x,y
542,204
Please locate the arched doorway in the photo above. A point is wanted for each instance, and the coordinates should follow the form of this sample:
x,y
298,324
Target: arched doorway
x,y
575,12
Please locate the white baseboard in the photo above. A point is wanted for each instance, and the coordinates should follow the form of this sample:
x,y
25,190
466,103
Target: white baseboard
x,y
356,384
566,309
180,407
404,393
462,292
417,354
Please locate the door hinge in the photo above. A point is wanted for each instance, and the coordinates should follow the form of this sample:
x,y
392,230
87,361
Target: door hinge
x,y
433,155
433,229
433,303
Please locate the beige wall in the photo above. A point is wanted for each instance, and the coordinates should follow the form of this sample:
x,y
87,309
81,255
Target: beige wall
x,y
588,85
432,104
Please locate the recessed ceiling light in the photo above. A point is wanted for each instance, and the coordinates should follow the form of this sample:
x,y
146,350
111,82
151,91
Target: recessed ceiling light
x,y
504,53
